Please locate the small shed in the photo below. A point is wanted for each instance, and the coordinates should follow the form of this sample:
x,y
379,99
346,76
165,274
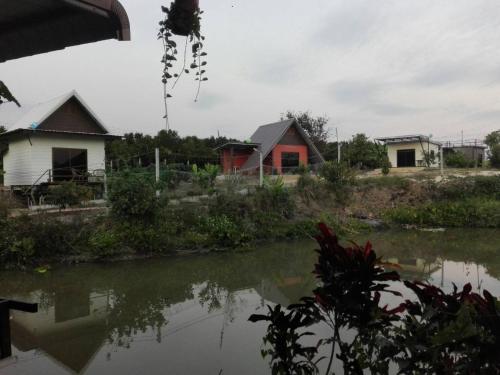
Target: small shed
x,y
409,151
59,140
284,146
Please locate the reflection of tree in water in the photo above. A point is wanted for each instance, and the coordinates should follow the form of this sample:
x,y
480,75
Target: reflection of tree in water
x,y
139,294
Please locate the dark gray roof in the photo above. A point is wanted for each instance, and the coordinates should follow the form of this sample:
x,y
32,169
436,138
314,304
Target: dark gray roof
x,y
269,135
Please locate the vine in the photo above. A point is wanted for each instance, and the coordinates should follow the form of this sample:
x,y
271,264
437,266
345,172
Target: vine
x,y
182,18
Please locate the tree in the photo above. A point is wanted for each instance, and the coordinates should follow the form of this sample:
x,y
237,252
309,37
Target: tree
x,y
365,154
3,129
492,139
315,127
495,156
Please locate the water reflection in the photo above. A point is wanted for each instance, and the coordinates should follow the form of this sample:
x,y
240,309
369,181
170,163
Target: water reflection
x,y
189,315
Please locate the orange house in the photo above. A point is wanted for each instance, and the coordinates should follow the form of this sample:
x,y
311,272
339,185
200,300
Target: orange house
x,y
284,145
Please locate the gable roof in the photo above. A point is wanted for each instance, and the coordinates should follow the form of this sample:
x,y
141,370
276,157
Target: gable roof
x,y
43,111
268,137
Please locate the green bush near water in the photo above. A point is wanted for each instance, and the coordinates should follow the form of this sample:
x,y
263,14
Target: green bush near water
x,y
473,213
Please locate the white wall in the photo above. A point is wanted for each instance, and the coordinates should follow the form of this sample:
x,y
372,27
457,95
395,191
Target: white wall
x,y
392,151
17,163
24,163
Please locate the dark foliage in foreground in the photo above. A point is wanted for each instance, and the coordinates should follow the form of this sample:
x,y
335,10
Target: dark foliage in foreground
x,y
437,333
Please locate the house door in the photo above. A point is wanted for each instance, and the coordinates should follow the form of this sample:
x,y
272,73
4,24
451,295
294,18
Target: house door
x,y
69,164
406,158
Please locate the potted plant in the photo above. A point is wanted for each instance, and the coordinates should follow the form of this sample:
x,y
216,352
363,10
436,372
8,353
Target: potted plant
x,y
182,18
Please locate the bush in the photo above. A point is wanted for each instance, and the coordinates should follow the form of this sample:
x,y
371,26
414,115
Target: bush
x,y
469,187
337,174
433,332
225,231
386,166
390,182
133,197
457,159
474,213
309,187
69,193
274,197
205,177
495,156
105,242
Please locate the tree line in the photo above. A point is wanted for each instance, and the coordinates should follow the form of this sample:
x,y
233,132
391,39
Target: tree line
x,y
137,149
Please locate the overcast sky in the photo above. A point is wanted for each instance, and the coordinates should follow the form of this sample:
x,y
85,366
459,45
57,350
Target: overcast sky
x,y
381,67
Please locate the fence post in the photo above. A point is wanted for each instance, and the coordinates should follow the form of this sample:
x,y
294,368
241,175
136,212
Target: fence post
x,y
442,160
5,348
157,168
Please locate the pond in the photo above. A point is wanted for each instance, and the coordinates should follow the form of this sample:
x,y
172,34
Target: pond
x,y
189,315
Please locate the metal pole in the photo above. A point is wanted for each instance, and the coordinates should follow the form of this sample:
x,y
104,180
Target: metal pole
x,y
157,168
442,160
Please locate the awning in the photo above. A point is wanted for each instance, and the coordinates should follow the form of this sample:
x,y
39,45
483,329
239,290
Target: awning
x,y
30,27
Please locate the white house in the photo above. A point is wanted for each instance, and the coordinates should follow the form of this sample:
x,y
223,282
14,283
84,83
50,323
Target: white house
x,y
411,151
59,140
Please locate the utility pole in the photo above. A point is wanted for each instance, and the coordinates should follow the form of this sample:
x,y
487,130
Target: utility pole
x,y
338,145
157,168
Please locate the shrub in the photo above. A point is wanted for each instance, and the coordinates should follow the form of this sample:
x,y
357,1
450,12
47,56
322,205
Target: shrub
x,y
390,182
337,174
224,231
308,186
386,166
457,159
469,187
495,156
105,242
133,197
275,197
478,213
69,193
434,333
205,177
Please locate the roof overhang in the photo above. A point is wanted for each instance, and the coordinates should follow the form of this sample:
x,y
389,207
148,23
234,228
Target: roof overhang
x,y
407,139
239,146
30,27
30,132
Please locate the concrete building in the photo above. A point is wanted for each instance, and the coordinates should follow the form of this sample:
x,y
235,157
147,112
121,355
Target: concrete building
x,y
411,151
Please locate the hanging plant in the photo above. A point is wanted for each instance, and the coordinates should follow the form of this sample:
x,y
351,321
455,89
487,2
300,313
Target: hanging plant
x,y
182,18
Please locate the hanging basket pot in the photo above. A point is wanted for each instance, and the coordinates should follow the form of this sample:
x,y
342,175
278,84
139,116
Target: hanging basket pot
x,y
182,17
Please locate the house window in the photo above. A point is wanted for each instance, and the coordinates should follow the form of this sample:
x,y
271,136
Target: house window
x,y
69,164
289,162
406,158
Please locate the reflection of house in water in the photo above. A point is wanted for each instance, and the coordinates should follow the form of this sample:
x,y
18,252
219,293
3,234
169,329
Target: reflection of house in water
x,y
71,330
286,290
415,266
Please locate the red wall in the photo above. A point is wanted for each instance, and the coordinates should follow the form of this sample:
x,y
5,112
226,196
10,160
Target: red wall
x,y
279,149
239,158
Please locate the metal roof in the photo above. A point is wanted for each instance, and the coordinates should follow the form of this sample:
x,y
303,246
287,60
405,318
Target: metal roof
x,y
42,111
30,27
407,139
238,145
268,137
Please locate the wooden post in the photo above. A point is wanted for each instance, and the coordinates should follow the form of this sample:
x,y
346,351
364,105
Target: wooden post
x,y
5,307
157,168
5,347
